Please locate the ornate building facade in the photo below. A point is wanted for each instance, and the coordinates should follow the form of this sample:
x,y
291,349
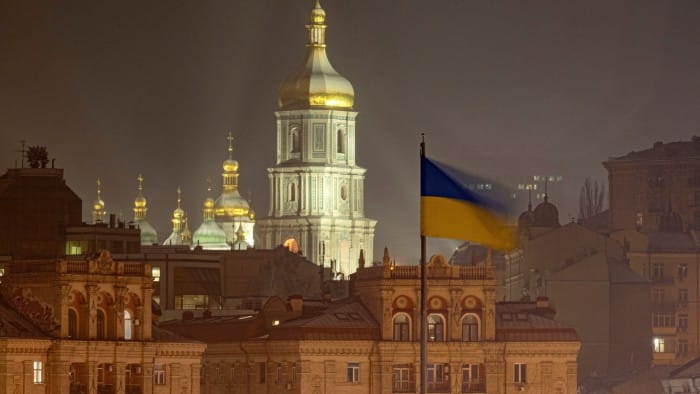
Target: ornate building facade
x,y
368,343
316,186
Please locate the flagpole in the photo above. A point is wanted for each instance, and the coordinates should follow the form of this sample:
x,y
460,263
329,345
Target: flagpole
x,y
423,301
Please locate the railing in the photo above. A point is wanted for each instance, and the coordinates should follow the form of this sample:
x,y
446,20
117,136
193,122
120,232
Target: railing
x,y
474,386
439,387
404,272
475,272
413,272
404,387
76,267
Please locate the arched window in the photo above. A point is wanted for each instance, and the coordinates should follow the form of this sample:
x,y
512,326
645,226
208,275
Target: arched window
x,y
470,328
72,323
402,327
436,327
100,324
294,140
292,192
128,324
341,141
343,192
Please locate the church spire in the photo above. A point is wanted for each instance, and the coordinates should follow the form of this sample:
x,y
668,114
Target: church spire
x,y
178,214
140,202
208,210
98,207
230,166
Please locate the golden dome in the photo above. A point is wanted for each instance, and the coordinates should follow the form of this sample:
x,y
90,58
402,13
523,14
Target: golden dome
x,y
140,202
230,165
209,203
98,205
317,84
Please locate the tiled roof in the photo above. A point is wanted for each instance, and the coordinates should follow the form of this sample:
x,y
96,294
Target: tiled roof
x,y
345,319
523,322
671,242
691,369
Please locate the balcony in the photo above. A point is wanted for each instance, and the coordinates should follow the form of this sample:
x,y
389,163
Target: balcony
x,y
404,387
439,387
474,386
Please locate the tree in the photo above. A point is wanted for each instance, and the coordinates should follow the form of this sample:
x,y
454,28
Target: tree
x,y
591,199
37,156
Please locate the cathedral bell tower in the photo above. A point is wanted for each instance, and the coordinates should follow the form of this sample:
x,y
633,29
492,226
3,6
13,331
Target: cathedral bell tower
x,y
316,187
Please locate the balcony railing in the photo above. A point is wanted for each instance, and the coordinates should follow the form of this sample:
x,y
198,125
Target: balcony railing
x,y
404,387
474,387
438,387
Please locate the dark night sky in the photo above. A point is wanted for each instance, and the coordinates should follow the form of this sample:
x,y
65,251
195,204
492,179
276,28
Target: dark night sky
x,y
505,89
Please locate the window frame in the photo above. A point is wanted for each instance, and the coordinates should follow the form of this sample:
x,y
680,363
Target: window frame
x,y
433,327
38,372
353,372
476,325
520,373
159,375
405,327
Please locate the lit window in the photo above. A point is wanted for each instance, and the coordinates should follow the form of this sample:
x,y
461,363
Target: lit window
x,y
682,271
436,328
158,374
155,273
275,322
353,372
659,345
519,373
127,324
38,377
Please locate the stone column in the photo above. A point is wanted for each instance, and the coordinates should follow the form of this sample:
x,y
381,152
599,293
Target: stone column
x,y
59,378
91,380
147,315
489,315
91,291
455,377
194,378
453,329
119,294
62,294
119,378
174,378
147,377
27,371
329,376
386,316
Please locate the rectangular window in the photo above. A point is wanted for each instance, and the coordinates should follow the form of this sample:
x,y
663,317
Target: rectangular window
x,y
319,138
659,345
657,295
683,295
402,379
219,375
353,372
155,273
262,372
293,377
158,375
662,319
682,271
38,377
658,271
682,347
683,322
472,381
438,378
520,373
279,377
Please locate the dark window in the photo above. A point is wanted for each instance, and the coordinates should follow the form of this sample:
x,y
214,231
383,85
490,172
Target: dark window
x,y
100,324
262,372
72,324
470,328
519,373
402,328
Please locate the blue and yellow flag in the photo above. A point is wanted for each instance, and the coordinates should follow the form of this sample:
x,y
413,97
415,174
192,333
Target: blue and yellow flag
x,y
461,206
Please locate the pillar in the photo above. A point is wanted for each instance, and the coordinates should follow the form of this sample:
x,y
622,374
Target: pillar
x,y
91,291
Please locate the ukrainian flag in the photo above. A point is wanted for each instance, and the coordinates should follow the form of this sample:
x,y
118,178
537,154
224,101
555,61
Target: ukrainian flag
x,y
461,206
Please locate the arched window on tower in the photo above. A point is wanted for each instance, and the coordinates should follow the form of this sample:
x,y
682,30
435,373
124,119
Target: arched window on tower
x,y
294,145
128,325
72,323
292,192
341,141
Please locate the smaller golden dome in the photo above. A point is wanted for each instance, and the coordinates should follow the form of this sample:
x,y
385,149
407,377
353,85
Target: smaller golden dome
x,y
230,165
98,205
318,15
178,213
209,203
140,202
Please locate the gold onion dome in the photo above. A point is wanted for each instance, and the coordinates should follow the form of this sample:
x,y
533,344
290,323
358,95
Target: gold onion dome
x,y
317,84
178,213
230,203
140,200
98,204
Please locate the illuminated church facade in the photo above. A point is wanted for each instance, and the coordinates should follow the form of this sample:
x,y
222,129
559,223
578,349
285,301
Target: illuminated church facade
x,y
316,187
